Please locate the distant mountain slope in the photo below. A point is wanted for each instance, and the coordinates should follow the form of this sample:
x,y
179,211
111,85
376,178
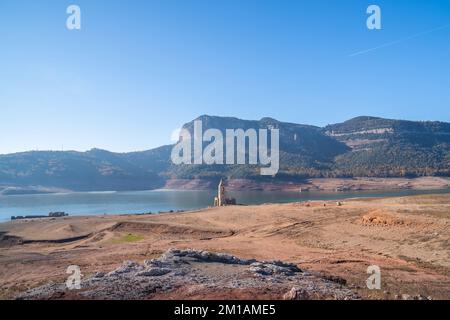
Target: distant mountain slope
x,y
302,148
384,147
81,171
363,146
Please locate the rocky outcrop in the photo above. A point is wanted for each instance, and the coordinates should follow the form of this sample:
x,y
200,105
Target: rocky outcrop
x,y
189,272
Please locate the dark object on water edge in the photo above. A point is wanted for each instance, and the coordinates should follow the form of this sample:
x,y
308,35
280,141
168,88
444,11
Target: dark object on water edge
x,y
27,217
50,215
57,214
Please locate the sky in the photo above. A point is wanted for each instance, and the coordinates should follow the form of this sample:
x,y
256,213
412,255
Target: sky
x,y
137,70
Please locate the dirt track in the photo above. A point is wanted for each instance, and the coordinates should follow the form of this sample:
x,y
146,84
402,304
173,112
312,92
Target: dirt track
x,y
407,237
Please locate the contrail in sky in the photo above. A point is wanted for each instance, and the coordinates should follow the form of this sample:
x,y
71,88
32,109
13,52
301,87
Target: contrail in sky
x,y
388,44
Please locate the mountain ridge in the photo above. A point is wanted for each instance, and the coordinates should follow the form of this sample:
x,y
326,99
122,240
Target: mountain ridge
x,y
363,146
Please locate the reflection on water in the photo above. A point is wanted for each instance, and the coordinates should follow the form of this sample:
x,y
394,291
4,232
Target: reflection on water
x,y
89,203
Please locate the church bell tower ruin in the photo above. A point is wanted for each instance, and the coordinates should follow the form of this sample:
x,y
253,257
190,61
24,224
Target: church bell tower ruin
x,y
221,199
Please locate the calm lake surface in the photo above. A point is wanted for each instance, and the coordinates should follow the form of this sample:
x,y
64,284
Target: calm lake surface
x,y
94,203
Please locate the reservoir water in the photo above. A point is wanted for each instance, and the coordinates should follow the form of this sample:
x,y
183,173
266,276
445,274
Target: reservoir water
x,y
95,203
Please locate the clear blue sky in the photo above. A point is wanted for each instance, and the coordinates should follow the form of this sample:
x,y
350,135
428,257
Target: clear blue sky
x,y
139,69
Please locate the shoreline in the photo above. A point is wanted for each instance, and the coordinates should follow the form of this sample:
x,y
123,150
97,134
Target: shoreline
x,y
316,184
313,202
315,196
327,197
312,184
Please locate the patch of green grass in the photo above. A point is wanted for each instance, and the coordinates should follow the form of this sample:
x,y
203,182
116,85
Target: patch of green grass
x,y
128,238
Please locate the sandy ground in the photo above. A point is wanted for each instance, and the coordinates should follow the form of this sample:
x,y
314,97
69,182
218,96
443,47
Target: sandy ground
x,y
408,238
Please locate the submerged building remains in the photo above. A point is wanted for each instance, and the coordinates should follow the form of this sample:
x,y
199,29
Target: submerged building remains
x,y
221,199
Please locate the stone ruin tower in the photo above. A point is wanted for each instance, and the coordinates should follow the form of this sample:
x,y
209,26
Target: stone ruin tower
x,y
219,201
